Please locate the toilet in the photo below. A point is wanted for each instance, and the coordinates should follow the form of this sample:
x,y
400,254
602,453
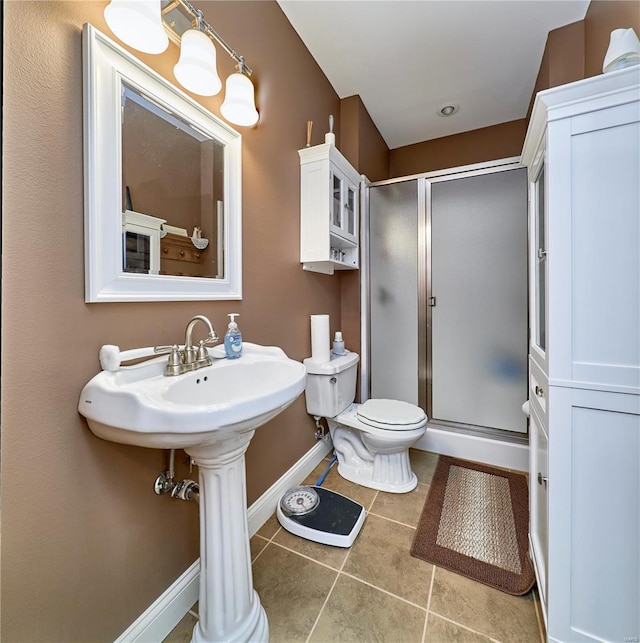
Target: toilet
x,y
371,440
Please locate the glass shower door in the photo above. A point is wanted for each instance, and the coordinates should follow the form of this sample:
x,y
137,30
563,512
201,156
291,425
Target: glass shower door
x,y
393,265
478,300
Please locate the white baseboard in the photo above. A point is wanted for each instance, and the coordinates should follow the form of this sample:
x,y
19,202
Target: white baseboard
x,y
155,623
165,613
470,447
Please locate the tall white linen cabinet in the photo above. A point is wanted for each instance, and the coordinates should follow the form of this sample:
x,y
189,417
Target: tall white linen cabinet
x,y
582,151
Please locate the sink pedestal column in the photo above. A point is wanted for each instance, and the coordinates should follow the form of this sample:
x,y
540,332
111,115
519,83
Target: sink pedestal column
x,y
229,608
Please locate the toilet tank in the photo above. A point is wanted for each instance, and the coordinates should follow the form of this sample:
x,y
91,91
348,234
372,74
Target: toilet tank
x,y
331,386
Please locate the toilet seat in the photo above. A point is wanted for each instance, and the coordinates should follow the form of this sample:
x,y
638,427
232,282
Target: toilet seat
x,y
391,415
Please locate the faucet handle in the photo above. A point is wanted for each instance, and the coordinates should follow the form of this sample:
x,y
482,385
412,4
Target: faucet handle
x,y
202,354
163,350
173,351
175,358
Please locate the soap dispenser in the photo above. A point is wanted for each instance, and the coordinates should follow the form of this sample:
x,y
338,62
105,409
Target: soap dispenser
x,y
233,338
338,344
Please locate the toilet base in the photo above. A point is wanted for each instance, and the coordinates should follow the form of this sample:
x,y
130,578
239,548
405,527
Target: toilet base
x,y
366,478
376,459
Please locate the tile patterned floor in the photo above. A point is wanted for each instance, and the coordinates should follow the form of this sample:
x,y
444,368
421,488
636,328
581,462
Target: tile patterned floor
x,y
376,591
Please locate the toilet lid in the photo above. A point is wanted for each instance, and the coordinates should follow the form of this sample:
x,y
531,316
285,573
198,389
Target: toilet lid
x,y
391,414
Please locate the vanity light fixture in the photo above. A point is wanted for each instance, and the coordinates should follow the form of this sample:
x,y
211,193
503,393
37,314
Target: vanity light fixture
x,y
196,69
138,23
239,104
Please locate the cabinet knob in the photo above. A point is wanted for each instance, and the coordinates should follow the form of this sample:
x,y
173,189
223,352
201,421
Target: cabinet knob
x,y
165,250
542,479
539,392
182,253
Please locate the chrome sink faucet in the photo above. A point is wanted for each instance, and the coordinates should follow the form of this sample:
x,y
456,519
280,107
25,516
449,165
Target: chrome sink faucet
x,y
191,357
190,353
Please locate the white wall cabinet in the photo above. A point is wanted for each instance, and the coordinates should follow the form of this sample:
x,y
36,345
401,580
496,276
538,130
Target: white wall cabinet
x,y
329,210
582,151
141,235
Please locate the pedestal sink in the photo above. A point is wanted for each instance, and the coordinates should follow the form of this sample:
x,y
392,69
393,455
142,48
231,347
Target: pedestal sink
x,y
212,414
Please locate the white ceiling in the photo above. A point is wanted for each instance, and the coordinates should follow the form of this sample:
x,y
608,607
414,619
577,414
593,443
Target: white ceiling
x,y
408,58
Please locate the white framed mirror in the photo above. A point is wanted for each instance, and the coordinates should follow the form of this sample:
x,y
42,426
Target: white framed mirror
x,y
163,186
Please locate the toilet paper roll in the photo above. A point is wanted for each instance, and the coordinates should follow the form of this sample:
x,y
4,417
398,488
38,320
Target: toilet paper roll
x,y
320,344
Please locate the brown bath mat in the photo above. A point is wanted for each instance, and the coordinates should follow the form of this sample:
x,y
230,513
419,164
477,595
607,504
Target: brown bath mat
x,y
475,522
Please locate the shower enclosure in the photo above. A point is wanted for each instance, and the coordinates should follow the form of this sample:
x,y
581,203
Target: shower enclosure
x,y
445,289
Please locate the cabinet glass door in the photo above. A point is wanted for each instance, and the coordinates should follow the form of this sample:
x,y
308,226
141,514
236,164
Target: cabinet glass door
x,y
344,209
137,252
350,211
336,201
540,259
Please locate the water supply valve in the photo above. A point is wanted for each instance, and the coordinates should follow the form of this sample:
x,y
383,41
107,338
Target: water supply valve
x,y
186,490
163,484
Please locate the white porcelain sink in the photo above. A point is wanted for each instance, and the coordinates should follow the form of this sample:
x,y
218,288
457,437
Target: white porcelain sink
x,y
211,413
139,405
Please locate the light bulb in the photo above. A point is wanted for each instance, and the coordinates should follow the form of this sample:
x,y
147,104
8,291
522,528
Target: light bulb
x,y
138,23
196,69
239,103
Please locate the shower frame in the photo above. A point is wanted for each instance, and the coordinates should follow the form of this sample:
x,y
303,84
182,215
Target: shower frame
x,y
425,181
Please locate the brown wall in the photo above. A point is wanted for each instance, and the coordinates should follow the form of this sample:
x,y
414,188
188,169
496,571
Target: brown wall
x,y
86,544
486,144
361,142
563,59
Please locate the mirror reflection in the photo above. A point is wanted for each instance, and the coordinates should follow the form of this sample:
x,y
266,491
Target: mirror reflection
x,y
172,192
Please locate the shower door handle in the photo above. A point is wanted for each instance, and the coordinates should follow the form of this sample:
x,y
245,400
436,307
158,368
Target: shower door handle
x,y
432,302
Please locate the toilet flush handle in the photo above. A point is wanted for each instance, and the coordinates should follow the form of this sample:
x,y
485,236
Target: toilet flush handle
x,y
333,380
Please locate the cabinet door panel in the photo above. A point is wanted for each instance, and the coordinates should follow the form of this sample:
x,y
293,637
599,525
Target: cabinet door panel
x,y
538,391
601,252
538,490
594,516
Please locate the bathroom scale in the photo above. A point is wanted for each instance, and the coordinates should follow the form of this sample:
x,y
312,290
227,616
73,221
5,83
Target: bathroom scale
x,y
321,515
